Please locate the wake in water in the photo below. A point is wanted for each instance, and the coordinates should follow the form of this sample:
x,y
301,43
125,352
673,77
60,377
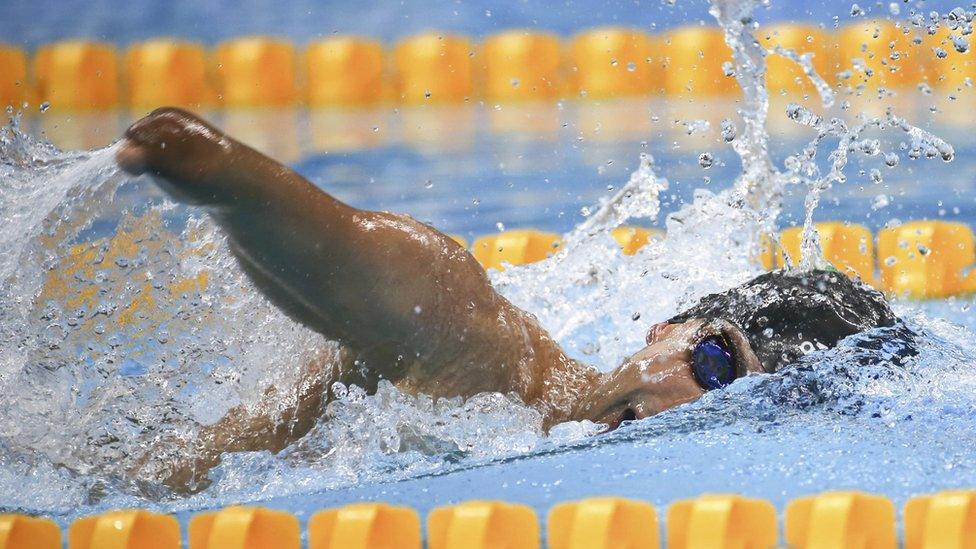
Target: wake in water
x,y
126,324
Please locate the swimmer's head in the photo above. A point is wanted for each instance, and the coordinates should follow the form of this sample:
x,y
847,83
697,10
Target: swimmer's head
x,y
785,315
759,326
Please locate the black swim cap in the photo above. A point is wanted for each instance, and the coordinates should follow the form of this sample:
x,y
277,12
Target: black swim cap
x,y
785,315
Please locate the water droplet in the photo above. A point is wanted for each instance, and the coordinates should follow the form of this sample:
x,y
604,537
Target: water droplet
x,y
891,159
870,147
880,201
696,126
802,115
45,106
429,184
427,94
960,43
856,10
705,160
728,130
631,67
635,317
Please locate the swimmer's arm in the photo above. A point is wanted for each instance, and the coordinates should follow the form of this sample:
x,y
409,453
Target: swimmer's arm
x,y
413,304
266,426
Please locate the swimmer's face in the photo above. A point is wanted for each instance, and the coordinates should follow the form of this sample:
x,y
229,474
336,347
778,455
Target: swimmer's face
x,y
679,364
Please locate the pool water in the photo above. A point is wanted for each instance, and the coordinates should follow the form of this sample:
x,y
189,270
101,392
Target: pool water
x,y
125,322
471,169
731,441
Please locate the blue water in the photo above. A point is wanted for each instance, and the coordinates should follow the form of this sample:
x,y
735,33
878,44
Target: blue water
x,y
486,172
543,181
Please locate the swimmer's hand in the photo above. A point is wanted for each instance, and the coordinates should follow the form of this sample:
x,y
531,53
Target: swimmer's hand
x,y
194,162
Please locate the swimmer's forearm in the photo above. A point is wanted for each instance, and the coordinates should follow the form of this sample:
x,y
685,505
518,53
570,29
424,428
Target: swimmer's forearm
x,y
198,164
291,237
241,430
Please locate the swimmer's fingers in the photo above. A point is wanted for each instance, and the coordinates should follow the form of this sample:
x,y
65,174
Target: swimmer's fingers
x,y
168,140
145,142
131,158
188,479
178,147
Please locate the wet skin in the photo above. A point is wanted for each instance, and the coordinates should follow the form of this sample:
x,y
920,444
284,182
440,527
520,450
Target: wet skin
x,y
403,299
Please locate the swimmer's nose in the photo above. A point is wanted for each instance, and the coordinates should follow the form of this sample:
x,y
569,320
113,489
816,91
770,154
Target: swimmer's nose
x,y
655,331
627,415
614,416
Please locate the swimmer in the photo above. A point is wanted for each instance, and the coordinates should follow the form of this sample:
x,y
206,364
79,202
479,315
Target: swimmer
x,y
410,305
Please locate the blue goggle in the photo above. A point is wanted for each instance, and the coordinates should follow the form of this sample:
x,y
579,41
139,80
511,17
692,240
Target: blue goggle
x,y
713,363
